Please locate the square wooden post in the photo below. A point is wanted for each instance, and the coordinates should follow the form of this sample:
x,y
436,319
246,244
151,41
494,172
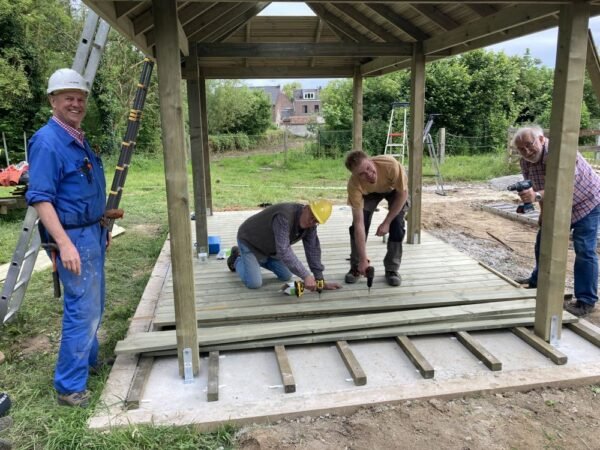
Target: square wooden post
x,y
197,150
357,110
171,118
565,119
205,147
415,160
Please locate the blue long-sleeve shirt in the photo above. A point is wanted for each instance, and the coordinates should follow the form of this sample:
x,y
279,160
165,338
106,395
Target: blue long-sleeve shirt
x,y
67,175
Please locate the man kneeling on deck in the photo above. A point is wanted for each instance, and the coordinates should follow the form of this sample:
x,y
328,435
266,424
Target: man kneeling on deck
x,y
266,239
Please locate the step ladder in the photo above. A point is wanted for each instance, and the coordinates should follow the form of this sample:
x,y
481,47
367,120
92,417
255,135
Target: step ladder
x,y
89,51
397,141
433,155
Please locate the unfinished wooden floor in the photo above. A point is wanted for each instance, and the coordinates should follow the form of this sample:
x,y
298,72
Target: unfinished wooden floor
x,y
281,375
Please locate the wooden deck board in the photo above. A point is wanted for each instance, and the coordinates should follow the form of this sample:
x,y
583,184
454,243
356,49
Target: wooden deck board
x,y
436,277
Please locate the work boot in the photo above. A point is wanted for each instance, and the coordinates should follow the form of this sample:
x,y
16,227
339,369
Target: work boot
x,y
79,399
5,423
393,278
579,309
352,276
233,256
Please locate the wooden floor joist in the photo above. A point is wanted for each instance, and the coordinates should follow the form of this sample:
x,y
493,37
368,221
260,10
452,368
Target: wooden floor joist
x,y
212,393
416,357
583,329
285,369
351,363
490,361
540,345
134,396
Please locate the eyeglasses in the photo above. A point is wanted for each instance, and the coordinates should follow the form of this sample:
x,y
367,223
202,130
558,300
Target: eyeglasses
x,y
526,146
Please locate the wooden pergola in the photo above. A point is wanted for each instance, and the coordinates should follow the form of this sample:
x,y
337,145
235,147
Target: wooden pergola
x,y
199,40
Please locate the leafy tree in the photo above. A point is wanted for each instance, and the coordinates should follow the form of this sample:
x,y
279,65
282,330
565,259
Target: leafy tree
x,y
235,108
289,88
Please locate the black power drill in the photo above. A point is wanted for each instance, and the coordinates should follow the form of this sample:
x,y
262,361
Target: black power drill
x,y
521,186
370,274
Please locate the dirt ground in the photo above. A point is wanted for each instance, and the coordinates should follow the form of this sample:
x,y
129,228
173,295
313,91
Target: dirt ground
x,y
566,418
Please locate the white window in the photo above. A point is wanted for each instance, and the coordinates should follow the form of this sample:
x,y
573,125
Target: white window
x,y
309,96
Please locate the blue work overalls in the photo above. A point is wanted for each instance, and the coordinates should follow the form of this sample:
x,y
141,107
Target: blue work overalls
x,y
71,178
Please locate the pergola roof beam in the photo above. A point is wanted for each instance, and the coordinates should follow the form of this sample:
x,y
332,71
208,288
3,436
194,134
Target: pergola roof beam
x,y
400,22
444,21
244,50
337,25
204,20
359,17
206,33
124,8
483,9
241,21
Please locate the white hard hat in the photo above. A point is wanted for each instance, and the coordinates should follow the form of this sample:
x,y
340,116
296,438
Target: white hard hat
x,y
66,79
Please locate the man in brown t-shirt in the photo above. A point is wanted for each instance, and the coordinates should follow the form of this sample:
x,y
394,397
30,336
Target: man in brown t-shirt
x,y
374,179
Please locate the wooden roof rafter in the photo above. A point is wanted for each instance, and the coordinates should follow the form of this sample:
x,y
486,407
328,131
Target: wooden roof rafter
x,y
434,14
241,20
217,27
400,22
351,11
342,29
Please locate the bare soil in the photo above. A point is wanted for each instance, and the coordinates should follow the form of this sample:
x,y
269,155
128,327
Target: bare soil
x,y
540,419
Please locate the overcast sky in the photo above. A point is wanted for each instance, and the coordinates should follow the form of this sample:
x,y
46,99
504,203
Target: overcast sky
x,y
541,45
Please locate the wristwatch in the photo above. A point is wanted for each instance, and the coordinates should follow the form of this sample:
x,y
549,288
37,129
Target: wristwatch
x,y
538,197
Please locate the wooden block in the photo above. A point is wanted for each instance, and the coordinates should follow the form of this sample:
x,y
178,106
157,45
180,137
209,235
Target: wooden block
x,y
490,361
425,369
583,329
352,364
144,366
213,377
540,345
287,377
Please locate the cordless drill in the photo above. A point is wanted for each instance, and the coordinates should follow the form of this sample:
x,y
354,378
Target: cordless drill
x,y
370,274
299,287
521,186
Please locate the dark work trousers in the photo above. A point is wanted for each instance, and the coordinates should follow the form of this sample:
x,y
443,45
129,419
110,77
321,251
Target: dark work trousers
x,y
397,231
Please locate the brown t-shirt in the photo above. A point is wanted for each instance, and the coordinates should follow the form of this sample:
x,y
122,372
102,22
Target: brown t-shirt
x,y
390,175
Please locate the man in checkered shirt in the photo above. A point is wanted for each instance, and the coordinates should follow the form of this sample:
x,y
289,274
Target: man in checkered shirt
x,y
533,148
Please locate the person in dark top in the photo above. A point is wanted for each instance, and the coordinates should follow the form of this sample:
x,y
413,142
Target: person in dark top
x,y
266,239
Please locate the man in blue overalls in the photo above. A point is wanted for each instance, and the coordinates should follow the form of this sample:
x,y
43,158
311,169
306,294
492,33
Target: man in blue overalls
x,y
68,190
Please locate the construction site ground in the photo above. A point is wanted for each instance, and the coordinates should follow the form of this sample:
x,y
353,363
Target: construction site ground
x,y
557,417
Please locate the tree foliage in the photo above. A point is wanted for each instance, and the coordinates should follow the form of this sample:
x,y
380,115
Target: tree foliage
x,y
478,94
289,88
235,108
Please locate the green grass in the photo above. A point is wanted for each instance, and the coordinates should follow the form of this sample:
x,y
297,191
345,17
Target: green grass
x,y
241,182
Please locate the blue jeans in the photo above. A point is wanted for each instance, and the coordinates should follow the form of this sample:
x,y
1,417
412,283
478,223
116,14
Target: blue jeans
x,y
248,267
585,235
83,307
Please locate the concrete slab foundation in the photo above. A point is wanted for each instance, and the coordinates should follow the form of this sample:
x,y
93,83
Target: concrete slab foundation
x,y
251,389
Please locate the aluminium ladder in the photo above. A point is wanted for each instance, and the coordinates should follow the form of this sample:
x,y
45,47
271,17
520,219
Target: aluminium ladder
x,y
397,147
89,51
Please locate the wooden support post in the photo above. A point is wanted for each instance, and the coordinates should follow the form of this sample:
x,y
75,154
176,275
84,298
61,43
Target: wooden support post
x,y
196,148
171,117
212,394
357,110
425,369
540,345
285,369
134,395
565,118
490,361
415,161
583,329
442,142
352,364
205,147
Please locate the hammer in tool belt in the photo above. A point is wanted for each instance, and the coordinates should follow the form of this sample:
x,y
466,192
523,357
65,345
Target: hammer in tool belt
x,y
53,249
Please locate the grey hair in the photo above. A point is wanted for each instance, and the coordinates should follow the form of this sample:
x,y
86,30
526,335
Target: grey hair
x,y
535,130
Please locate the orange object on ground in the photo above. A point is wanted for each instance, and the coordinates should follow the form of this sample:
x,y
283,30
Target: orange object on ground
x,y
12,174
